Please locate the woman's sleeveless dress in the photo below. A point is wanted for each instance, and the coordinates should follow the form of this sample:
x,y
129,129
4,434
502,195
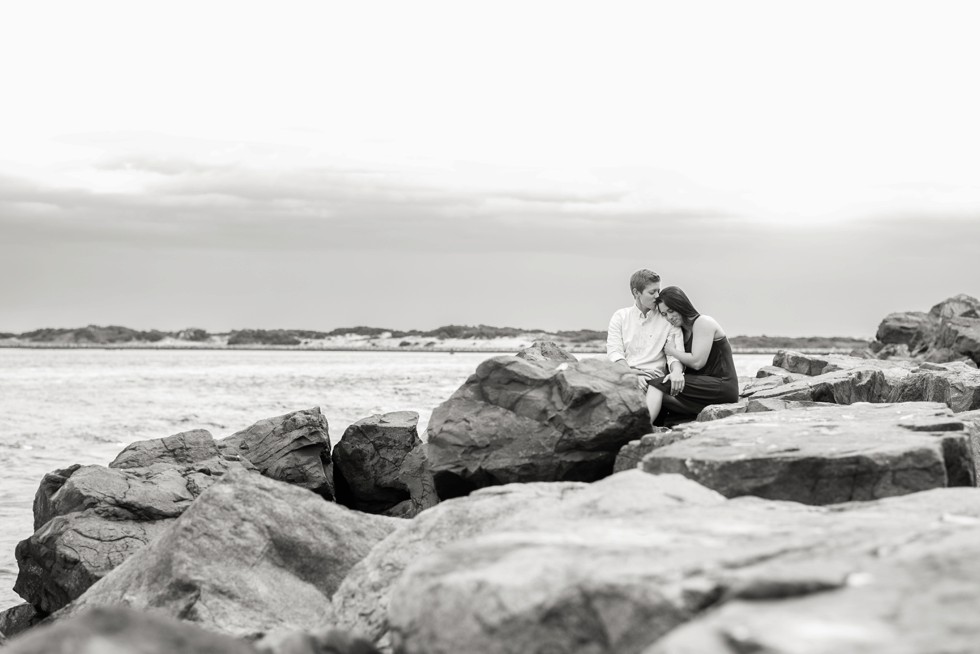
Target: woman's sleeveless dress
x,y
715,383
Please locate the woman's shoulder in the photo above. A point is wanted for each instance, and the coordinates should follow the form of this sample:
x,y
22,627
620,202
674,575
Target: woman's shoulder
x,y
707,323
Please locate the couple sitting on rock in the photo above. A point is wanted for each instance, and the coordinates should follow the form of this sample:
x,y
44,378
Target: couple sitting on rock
x,y
661,336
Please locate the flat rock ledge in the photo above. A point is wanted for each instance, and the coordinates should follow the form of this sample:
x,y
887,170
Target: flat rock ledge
x,y
845,380
824,454
629,565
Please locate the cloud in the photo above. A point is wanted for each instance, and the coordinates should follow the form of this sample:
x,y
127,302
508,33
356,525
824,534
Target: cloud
x,y
186,203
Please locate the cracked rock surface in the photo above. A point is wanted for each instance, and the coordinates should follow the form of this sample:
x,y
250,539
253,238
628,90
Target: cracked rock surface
x,y
380,467
88,519
660,565
294,448
250,556
846,380
361,603
519,420
825,454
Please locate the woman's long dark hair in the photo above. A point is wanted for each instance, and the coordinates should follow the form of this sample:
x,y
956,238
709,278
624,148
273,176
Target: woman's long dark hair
x,y
677,300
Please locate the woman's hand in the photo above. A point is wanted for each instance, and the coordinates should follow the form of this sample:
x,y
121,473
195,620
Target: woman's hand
x,y
670,350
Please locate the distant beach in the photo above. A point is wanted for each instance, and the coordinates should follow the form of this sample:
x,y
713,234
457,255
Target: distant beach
x,y
450,338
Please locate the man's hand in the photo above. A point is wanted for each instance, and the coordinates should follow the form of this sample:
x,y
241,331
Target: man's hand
x,y
643,378
676,378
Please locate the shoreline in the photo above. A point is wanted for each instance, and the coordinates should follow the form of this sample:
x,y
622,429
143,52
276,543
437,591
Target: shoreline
x,y
386,349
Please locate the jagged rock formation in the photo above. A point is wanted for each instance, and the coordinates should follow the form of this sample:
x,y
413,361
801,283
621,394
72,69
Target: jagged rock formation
x,y
950,331
380,466
518,420
250,556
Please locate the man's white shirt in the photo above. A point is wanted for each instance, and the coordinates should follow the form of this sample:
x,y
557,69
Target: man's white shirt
x,y
639,339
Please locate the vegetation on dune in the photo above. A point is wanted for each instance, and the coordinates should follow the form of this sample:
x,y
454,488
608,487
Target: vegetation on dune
x,y
113,334
94,334
262,337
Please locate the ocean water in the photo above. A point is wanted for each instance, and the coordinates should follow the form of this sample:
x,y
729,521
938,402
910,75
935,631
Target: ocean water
x,y
60,407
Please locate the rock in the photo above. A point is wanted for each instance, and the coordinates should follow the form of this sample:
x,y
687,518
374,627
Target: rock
x,y
88,519
839,387
895,351
184,448
361,602
153,493
753,386
18,619
70,553
753,405
633,452
825,455
812,365
546,352
759,405
957,386
845,380
962,336
776,371
118,630
369,462
914,329
944,355
321,641
718,411
417,477
516,420
251,555
961,305
621,581
294,448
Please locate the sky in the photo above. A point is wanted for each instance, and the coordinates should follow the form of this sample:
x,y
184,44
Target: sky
x,y
797,168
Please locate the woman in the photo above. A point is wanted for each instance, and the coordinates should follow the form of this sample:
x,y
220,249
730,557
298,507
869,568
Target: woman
x,y
711,377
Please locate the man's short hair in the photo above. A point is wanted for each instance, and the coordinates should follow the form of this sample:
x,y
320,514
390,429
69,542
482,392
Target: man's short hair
x,y
643,278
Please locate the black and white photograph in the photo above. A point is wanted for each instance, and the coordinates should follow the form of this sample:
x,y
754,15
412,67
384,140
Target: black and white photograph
x,y
532,327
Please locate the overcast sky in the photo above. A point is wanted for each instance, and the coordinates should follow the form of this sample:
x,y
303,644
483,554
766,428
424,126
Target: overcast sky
x,y
798,168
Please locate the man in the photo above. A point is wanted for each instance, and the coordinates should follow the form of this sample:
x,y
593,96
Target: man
x,y
637,335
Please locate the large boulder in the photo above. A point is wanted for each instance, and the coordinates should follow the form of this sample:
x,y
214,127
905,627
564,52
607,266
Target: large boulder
x,y
962,336
294,448
955,384
950,331
88,519
18,619
118,630
914,329
825,455
70,553
184,448
377,466
961,305
517,420
633,452
362,601
251,555
619,581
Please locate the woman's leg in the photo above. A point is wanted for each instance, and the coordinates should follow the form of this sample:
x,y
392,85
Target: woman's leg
x,y
655,400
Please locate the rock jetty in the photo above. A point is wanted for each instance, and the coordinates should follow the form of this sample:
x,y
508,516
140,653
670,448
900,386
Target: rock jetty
x,y
834,508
